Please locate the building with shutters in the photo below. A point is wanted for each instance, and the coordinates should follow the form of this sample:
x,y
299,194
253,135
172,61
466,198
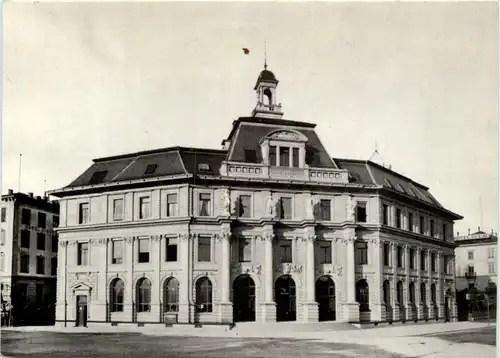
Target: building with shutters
x,y
268,228
28,258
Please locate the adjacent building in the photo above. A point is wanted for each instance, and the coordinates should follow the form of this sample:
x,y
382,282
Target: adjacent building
x,y
268,228
28,258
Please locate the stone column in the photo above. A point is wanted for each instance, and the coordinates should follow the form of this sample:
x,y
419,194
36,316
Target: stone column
x,y
268,306
454,308
430,305
302,157
310,306
378,311
226,307
408,304
351,307
62,285
99,305
155,283
265,152
129,308
396,314
420,303
440,286
185,300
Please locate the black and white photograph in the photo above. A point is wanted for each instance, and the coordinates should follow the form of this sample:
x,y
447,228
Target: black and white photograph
x,y
249,179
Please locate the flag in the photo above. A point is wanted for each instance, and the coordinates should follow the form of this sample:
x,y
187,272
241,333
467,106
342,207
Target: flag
x,y
245,50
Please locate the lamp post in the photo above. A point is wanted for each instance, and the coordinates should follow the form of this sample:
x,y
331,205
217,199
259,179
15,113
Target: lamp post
x,y
471,292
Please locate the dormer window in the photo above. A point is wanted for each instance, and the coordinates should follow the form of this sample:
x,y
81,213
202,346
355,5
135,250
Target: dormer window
x,y
150,169
98,177
284,148
203,167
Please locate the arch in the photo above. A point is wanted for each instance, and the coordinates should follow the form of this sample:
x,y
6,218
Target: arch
x,y
363,295
116,295
411,298
326,298
171,295
423,293
286,298
204,294
269,95
400,293
243,298
386,288
143,295
287,135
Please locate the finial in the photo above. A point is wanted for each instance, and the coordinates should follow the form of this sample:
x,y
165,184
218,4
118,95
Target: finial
x,y
265,55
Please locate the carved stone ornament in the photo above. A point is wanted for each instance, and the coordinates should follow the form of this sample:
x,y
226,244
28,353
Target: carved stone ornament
x,y
439,254
156,238
227,202
285,135
351,208
339,270
63,243
350,240
311,202
72,243
130,239
267,237
288,268
102,241
271,205
312,237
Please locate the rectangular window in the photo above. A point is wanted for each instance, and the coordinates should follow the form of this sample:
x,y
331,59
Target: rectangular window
x,y
284,157
171,247
4,215
361,212
25,263
205,208
432,229
400,257
172,204
361,253
285,251
42,220
2,237
470,269
385,213
433,262
491,268
144,207
53,266
422,225
325,210
445,233
40,265
272,155
491,253
470,255
83,253
26,217
117,252
245,250
143,256
118,209
204,249
245,206
410,222
40,241
83,217
286,208
422,260
295,157
55,221
387,254
412,259
398,218
54,243
25,239
325,249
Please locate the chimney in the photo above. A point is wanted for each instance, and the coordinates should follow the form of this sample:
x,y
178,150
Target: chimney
x,y
38,197
30,195
458,233
10,191
479,228
469,231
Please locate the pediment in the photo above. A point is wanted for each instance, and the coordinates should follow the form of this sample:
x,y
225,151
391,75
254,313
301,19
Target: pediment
x,y
81,286
287,135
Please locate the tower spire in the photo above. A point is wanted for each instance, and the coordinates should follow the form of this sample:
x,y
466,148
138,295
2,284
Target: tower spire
x,y
265,55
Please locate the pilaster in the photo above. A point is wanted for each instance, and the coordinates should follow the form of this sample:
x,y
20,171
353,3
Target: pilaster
x,y
185,255
378,312
62,283
420,304
351,307
310,305
226,307
268,307
440,286
408,303
396,314
128,295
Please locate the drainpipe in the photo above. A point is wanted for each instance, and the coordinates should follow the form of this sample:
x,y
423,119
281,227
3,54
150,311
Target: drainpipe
x,y
65,284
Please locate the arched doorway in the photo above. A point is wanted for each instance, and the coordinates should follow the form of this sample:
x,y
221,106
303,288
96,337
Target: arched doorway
x,y
400,298
285,297
243,299
325,296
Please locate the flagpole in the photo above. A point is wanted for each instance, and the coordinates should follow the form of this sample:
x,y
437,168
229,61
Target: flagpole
x,y
19,177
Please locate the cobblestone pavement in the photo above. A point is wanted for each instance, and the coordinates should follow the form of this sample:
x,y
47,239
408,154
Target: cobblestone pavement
x,y
487,335
124,344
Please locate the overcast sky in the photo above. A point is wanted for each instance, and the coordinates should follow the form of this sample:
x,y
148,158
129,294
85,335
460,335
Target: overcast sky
x,y
88,80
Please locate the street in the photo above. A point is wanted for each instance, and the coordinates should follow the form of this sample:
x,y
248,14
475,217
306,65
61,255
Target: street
x,y
55,344
487,335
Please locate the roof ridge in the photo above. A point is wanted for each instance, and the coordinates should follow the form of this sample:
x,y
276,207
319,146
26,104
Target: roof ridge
x,y
126,167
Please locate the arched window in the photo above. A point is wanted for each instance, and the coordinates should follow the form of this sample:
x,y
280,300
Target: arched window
x,y
400,293
116,295
171,295
387,293
204,295
143,295
412,293
362,295
433,293
2,261
423,294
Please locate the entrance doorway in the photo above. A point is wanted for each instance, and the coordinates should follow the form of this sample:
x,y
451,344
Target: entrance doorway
x,y
81,311
325,296
285,296
243,299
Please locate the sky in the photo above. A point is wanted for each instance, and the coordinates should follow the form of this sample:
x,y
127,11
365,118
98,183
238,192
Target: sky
x,y
418,80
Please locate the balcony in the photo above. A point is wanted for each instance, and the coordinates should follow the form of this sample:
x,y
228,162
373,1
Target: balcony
x,y
470,275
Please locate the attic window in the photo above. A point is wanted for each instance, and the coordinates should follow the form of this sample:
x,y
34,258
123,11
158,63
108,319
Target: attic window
x,y
150,169
98,177
250,156
388,183
203,167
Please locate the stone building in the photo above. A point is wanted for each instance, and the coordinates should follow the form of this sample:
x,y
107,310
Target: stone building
x,y
269,228
28,258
